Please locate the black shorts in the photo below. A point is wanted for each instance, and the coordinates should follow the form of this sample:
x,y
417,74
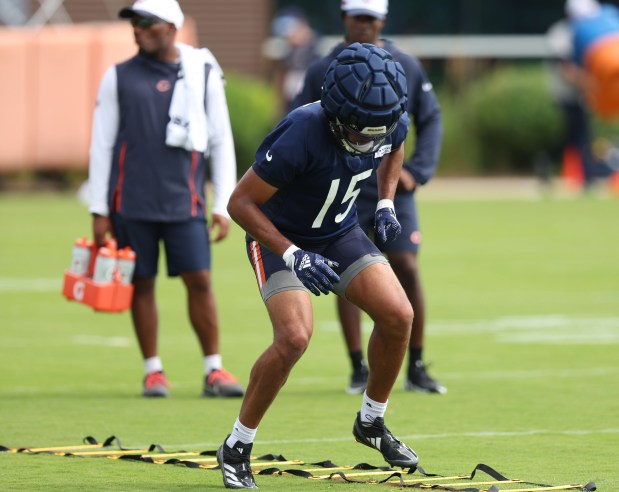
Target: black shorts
x,y
406,212
186,244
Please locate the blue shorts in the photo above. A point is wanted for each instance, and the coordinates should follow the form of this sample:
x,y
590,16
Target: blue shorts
x,y
187,245
353,251
406,212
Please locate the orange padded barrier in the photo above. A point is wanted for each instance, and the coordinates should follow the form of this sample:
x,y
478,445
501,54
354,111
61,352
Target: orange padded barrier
x,y
602,62
50,78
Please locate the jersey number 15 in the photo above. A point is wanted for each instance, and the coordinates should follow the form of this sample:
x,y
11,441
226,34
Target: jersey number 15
x,y
351,195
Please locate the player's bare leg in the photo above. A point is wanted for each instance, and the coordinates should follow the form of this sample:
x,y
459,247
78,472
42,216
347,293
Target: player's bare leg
x,y
291,315
404,265
377,291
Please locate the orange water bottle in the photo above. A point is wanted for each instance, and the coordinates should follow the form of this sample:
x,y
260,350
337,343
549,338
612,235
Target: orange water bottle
x,y
80,256
126,264
105,265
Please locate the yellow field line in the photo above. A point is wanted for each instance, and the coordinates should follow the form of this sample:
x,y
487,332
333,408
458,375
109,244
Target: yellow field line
x,y
170,455
423,479
58,448
465,484
558,487
277,463
328,469
361,474
110,454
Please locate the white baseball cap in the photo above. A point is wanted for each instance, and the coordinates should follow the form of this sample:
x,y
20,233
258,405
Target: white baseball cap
x,y
373,8
167,10
581,8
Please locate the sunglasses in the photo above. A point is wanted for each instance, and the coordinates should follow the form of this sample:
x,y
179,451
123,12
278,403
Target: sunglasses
x,y
145,22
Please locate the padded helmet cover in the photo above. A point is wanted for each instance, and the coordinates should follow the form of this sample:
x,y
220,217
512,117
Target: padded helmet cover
x,y
364,87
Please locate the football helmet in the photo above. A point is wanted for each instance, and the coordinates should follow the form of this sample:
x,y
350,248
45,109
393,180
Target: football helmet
x,y
363,96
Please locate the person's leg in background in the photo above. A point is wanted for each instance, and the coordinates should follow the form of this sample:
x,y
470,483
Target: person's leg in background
x,y
402,255
188,255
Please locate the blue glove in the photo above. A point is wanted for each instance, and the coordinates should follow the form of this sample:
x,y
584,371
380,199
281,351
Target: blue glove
x,y
314,271
386,226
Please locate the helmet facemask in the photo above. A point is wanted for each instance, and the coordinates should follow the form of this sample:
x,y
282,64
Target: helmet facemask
x,y
365,141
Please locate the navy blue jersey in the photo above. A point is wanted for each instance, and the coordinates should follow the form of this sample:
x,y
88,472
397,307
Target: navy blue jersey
x,y
150,180
317,180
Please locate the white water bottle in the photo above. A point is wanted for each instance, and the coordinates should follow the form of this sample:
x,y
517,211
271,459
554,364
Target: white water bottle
x,y
126,264
80,256
105,266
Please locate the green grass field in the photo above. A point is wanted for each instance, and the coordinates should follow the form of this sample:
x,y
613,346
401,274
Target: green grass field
x,y
523,328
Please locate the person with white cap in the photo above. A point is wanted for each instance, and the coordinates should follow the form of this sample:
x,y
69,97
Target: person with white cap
x,y
158,116
581,8
363,22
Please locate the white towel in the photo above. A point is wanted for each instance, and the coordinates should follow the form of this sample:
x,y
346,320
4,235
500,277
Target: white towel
x,y
187,127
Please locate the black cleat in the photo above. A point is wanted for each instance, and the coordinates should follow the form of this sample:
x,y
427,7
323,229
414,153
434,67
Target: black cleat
x,y
376,435
235,467
419,380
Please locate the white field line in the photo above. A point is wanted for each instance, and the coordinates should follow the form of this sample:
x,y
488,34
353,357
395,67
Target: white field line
x,y
8,284
298,381
103,341
549,329
93,340
418,437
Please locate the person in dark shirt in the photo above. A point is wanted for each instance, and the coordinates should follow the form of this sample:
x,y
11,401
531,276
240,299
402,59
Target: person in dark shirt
x,y
158,115
363,21
297,205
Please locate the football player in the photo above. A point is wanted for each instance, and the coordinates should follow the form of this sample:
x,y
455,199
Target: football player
x,y
297,205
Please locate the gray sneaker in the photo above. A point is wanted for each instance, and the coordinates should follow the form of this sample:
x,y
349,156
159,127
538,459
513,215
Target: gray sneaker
x,y
220,383
376,435
155,385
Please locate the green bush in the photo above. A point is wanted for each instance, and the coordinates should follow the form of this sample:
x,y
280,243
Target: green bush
x,y
253,113
459,151
512,118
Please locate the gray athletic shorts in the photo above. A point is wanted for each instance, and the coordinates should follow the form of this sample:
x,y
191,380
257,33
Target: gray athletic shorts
x,y
353,251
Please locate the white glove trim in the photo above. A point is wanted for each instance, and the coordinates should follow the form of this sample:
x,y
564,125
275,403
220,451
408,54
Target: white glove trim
x,y
385,203
288,256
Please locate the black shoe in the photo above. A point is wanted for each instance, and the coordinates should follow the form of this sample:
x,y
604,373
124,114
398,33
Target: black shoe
x,y
376,435
358,380
235,467
419,380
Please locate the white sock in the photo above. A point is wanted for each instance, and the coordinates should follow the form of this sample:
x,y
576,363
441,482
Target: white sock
x,y
212,362
241,433
371,409
152,364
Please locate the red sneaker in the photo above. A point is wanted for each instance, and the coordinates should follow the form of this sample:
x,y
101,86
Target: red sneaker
x,y
155,384
221,383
